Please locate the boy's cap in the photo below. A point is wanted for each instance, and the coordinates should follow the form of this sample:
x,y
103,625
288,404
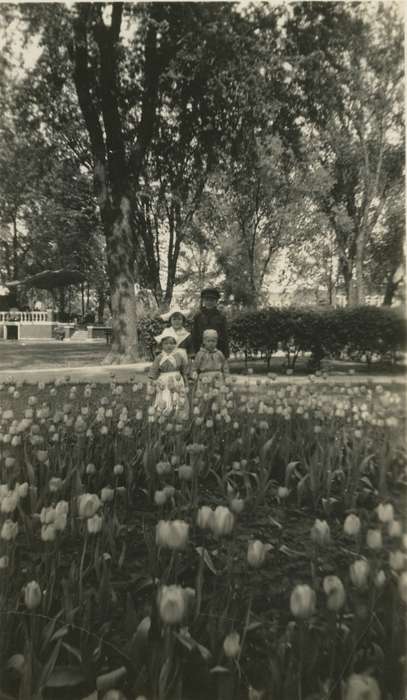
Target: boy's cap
x,y
210,293
210,333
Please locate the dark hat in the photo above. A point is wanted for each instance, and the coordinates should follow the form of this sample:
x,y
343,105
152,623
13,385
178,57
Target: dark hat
x,y
211,293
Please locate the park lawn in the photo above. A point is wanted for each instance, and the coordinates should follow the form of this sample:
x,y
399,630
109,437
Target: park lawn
x,y
122,565
18,356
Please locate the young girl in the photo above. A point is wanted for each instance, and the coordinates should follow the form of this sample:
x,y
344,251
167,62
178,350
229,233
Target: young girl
x,y
210,363
169,371
177,319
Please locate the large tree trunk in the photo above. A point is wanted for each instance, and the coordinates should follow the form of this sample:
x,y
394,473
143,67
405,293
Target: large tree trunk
x,y
120,263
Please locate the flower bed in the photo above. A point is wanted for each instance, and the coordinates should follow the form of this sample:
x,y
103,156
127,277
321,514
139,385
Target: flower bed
x,y
256,550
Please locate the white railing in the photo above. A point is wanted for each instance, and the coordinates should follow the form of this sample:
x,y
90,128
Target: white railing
x,y
26,316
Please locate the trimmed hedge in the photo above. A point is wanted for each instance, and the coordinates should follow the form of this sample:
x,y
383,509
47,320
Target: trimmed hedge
x,y
362,331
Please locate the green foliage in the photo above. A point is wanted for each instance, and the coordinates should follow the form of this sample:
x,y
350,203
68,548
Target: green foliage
x,y
148,328
323,332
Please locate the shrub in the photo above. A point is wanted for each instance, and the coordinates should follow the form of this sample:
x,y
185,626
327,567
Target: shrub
x,y
365,330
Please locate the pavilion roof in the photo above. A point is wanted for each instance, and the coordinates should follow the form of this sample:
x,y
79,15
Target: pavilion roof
x,y
49,279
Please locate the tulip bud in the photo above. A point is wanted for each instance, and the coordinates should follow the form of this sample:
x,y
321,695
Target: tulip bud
x,y
55,483
237,505
118,469
9,503
172,534
185,472
361,687
223,521
320,533
397,560
163,468
231,645
22,490
256,553
403,586
90,469
359,572
60,521
352,525
107,495
385,512
88,505
4,562
374,539
335,592
48,533
302,601
47,515
395,529
169,491
160,498
254,694
94,524
9,531
32,595
282,493
61,508
172,604
380,579
205,517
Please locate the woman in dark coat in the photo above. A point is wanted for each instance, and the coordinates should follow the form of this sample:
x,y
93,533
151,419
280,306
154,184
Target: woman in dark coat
x,y
209,317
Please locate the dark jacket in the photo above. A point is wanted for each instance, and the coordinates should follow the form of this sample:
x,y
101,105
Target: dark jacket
x,y
215,320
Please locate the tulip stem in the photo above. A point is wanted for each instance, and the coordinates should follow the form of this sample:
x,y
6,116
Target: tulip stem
x,y
85,544
301,660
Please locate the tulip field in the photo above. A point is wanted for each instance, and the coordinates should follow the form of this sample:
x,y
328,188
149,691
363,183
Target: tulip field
x,y
254,549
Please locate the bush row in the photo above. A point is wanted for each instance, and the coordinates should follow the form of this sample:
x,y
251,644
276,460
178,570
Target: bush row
x,y
360,331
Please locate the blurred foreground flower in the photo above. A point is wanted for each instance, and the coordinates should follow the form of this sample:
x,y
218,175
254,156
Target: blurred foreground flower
x,y
204,517
374,539
9,531
352,525
172,534
88,505
94,524
335,593
256,553
320,533
231,645
32,595
361,687
303,601
173,603
223,521
359,572
385,512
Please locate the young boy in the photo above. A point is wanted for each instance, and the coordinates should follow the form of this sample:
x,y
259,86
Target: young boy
x,y
209,317
210,363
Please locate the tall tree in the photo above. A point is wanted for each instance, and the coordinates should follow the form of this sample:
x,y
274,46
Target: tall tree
x,y
362,144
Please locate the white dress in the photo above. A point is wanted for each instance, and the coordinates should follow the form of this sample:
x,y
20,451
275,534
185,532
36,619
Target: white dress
x,y
169,371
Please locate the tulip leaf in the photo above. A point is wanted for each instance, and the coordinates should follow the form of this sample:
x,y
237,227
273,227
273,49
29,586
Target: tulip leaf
x,y
207,559
107,681
65,676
